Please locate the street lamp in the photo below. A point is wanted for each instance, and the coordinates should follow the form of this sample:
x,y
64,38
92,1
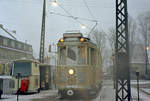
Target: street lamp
x,y
83,26
147,48
54,3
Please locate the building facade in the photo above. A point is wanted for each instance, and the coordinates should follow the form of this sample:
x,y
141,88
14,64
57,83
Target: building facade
x,y
13,49
137,59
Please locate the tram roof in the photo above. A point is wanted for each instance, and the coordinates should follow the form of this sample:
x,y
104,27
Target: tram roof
x,y
77,43
72,35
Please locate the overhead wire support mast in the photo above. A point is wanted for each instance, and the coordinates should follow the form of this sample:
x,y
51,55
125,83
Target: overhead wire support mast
x,y
123,89
42,41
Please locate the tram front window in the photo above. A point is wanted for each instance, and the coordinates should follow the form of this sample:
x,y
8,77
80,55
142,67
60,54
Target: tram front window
x,y
75,55
72,55
22,67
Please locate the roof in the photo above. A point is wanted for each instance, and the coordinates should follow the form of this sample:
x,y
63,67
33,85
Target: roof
x,y
26,60
4,34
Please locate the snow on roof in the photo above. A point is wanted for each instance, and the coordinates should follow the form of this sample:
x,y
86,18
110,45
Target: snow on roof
x,y
3,33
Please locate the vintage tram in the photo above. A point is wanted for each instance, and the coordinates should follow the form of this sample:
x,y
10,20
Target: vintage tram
x,y
29,80
79,70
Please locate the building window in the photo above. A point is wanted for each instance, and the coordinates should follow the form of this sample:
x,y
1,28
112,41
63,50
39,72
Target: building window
x,y
1,40
5,42
27,48
30,49
16,45
19,46
13,44
22,46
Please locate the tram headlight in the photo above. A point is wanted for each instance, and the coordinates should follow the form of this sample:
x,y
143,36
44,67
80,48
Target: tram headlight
x,y
61,40
82,39
71,71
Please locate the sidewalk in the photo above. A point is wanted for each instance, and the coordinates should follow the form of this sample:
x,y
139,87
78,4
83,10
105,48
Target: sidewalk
x,y
30,97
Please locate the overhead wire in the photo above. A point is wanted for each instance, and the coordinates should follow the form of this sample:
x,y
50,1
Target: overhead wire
x,y
93,28
69,14
74,17
88,9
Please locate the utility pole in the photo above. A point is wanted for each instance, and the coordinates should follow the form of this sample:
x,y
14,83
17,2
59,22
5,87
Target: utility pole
x,y
42,41
123,89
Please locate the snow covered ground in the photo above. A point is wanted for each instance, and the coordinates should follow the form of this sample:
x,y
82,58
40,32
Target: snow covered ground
x,y
143,96
107,93
40,95
140,81
146,90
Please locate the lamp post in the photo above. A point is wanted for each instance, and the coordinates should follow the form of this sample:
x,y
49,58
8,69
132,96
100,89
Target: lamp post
x,y
146,65
42,40
137,74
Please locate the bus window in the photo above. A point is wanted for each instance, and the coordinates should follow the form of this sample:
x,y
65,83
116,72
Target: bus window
x,y
62,56
22,67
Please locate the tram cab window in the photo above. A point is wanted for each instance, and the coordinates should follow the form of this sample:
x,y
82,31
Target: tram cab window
x,y
81,54
72,55
62,56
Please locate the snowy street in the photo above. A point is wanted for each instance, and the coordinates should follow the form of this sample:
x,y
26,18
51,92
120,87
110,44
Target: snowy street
x,y
107,93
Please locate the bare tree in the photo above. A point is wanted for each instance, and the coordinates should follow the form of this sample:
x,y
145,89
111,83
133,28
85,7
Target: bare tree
x,y
99,37
112,38
132,27
144,29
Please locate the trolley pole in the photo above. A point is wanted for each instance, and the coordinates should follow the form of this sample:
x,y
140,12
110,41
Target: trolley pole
x,y
18,76
137,74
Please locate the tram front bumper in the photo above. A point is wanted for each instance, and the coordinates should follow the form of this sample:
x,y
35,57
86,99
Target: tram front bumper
x,y
76,92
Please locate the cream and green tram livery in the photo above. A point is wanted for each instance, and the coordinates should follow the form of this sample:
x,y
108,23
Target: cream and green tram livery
x,y
79,70
29,80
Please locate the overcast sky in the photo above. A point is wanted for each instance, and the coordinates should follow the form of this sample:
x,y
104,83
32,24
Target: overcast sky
x,y
25,17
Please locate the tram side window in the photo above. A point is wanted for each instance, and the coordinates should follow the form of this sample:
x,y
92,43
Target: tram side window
x,y
93,56
62,56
